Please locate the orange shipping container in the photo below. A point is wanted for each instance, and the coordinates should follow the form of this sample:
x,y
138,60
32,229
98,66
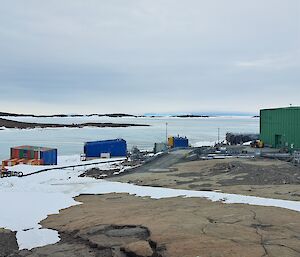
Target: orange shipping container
x,y
21,161
40,162
5,163
12,162
30,161
37,162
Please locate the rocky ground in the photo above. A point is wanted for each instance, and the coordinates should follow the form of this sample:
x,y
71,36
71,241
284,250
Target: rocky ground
x,y
100,173
124,225
258,177
97,241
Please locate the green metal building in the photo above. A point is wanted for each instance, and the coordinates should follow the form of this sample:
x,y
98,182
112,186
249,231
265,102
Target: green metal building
x,y
280,127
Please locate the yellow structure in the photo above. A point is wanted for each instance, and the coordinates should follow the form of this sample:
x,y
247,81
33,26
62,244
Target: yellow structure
x,y
171,141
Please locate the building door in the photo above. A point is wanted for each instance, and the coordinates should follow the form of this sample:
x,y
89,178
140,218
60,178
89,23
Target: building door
x,y
278,141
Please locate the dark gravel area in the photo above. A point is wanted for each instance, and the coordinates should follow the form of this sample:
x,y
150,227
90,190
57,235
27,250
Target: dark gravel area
x,y
99,174
246,174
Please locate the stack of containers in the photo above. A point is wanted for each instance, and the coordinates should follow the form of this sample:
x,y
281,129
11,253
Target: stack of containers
x,y
114,147
33,155
177,142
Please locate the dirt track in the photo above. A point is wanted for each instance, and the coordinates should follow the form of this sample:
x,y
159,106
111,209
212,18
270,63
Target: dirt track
x,y
164,161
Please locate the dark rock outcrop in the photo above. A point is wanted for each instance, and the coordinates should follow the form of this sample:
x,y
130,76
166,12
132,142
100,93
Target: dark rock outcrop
x,y
97,241
8,243
27,125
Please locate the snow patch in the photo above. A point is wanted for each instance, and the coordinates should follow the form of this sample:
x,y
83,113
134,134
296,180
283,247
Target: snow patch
x,y
36,238
203,143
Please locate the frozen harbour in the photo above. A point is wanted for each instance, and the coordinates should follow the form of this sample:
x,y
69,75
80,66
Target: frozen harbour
x,y
69,141
28,200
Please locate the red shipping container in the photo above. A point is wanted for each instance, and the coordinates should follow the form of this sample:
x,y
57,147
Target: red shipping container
x,y
36,155
16,153
12,152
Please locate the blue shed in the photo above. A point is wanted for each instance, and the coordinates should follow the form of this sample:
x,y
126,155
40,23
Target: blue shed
x,y
180,142
49,157
115,147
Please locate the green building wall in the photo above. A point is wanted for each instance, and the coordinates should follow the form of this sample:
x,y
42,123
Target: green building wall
x,y
281,127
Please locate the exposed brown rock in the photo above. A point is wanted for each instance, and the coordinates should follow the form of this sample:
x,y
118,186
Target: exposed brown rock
x,y
186,227
138,249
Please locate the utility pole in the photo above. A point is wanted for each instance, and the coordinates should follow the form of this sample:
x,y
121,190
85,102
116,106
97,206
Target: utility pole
x,y
167,133
218,135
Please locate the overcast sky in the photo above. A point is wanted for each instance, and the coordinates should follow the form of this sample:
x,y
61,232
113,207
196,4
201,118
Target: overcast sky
x,y
139,56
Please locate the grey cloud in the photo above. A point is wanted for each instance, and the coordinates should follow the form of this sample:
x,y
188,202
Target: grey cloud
x,y
148,56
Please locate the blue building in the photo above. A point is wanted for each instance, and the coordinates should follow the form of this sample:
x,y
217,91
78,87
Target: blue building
x,y
176,142
115,147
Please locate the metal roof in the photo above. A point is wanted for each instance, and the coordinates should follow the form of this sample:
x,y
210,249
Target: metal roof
x,y
281,108
33,148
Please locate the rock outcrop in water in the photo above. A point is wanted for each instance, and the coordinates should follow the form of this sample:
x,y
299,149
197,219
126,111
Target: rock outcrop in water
x,y
113,115
26,125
